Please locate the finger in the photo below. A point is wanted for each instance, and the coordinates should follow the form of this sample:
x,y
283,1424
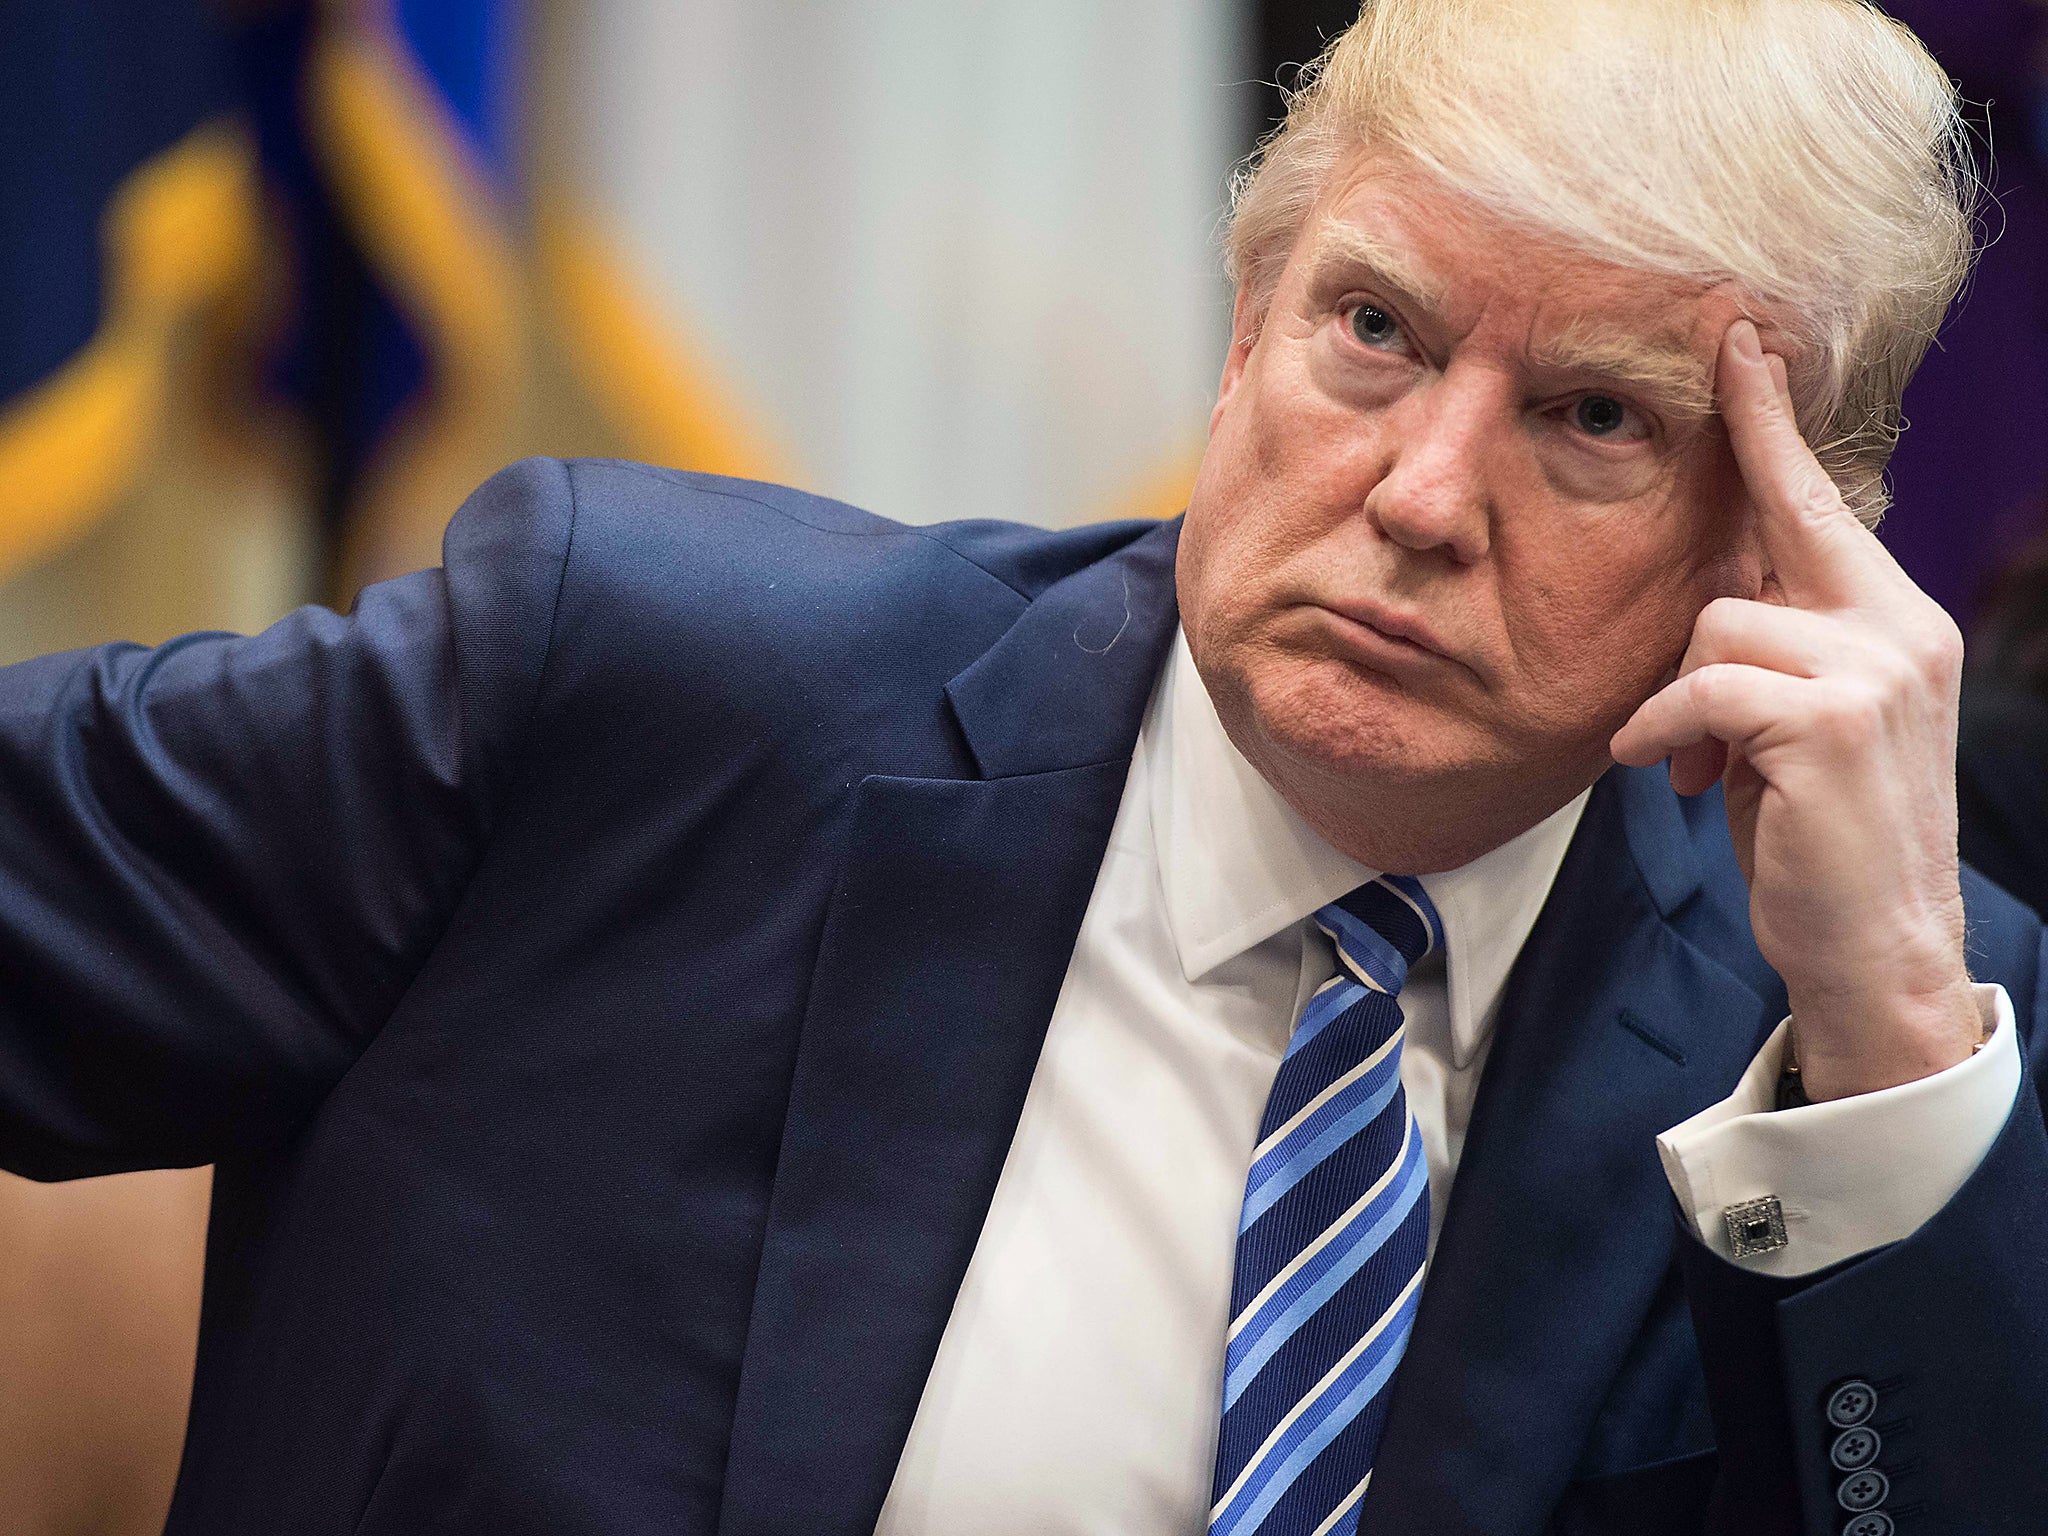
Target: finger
x,y
1817,549
1697,768
1767,634
1725,702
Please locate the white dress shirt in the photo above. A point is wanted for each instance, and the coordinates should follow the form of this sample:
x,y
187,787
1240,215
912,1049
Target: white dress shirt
x,y
1078,1385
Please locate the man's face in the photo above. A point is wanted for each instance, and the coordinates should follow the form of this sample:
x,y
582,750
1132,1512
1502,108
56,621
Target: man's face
x,y
1463,499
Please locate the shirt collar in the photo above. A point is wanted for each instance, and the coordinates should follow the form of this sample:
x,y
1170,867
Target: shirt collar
x,y
1238,864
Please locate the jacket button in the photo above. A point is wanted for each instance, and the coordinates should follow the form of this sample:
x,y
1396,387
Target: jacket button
x,y
1855,1449
1875,1523
1850,1404
1863,1490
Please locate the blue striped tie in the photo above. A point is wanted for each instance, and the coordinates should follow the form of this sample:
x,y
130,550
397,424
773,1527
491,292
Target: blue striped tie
x,y
1331,1245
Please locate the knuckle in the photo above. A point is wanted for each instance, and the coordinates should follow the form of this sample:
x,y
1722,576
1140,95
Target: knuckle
x,y
1928,652
1720,620
1942,654
1853,712
1819,506
1710,687
1816,499
1895,670
1711,633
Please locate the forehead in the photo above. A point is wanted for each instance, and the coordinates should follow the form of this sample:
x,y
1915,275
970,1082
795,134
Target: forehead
x,y
1531,301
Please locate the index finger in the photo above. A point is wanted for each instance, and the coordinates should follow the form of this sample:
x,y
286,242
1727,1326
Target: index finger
x,y
1817,548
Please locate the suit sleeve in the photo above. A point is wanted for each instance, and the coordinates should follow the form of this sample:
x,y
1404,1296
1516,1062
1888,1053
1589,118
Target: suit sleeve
x,y
223,860
1909,1383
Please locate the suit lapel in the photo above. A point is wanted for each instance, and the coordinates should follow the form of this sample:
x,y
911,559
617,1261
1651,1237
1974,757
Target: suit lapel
x,y
1559,1230
943,954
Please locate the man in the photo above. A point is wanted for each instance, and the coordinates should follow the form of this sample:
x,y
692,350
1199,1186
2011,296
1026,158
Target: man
x,y
716,1011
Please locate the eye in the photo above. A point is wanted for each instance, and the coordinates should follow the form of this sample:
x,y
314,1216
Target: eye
x,y
1604,416
1375,327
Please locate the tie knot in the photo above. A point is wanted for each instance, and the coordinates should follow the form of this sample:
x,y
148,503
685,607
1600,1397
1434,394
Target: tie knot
x,y
1383,928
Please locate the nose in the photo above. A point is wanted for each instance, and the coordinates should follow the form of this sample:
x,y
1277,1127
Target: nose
x,y
1432,494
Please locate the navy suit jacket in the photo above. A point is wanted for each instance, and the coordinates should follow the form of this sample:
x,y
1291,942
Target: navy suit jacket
x,y
606,972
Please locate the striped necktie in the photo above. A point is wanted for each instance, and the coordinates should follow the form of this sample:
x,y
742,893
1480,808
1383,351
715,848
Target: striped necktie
x,y
1331,1245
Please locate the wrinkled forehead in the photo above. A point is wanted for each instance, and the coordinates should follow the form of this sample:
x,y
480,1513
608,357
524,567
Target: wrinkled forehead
x,y
1464,272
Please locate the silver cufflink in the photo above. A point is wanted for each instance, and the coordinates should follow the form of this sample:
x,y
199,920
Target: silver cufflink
x,y
1755,1226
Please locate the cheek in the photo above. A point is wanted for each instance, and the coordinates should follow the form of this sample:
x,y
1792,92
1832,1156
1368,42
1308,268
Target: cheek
x,y
1283,469
1601,608
1219,546
1594,627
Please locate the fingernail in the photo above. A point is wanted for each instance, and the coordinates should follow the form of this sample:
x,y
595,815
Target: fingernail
x,y
1747,342
1778,374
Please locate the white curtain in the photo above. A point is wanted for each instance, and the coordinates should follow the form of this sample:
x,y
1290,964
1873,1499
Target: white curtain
x,y
956,259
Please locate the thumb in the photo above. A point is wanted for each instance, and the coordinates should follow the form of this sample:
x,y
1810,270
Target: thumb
x,y
1697,768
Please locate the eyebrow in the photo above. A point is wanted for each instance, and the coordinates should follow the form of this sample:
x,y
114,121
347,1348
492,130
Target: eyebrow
x,y
1663,365
1343,248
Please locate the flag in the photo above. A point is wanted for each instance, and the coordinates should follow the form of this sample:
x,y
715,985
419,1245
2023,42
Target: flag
x,y
129,219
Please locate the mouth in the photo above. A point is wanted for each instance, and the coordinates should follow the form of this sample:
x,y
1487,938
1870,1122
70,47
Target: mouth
x,y
1385,639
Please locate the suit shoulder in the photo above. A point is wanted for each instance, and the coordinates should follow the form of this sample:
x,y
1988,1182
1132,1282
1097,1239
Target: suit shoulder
x,y
1029,559
753,608
626,506
622,487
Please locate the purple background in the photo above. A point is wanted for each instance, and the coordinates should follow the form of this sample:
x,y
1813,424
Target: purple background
x,y
1971,473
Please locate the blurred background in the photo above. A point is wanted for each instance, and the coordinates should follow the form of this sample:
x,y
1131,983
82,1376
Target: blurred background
x,y
281,281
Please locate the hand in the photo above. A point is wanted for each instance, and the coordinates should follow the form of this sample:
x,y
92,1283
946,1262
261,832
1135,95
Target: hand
x,y
1828,710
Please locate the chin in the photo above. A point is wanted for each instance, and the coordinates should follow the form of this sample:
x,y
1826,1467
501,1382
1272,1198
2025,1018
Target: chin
x,y
1398,781
1346,722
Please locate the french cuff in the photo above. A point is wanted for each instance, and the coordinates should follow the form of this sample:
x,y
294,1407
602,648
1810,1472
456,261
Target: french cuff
x,y
1787,1192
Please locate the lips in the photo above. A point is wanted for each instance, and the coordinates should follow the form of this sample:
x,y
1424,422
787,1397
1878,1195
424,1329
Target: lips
x,y
1401,629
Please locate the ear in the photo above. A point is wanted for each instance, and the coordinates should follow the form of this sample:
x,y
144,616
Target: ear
x,y
1753,576
1244,335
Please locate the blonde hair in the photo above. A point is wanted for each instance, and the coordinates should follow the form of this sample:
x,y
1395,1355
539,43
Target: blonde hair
x,y
1811,151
